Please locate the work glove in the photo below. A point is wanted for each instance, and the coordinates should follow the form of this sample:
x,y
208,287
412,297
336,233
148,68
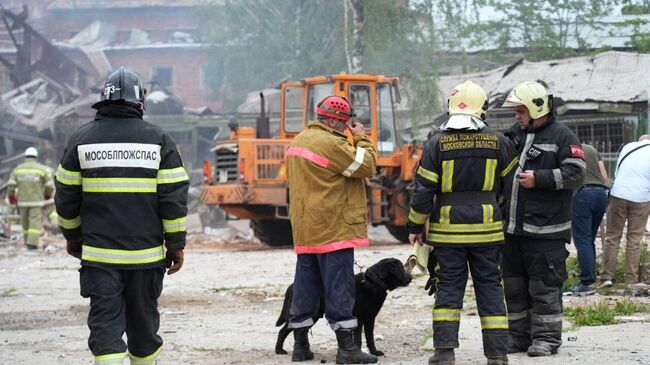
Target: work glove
x,y
47,196
174,260
433,278
12,200
74,248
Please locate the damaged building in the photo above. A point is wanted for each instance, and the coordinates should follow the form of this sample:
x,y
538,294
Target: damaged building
x,y
603,98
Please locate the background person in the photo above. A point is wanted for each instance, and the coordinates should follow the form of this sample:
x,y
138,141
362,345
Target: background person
x,y
30,186
629,201
589,205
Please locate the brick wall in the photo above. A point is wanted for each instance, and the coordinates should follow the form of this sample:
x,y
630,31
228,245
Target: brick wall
x,y
186,64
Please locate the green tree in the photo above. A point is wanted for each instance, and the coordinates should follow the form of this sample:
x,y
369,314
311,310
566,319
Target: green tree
x,y
546,29
257,43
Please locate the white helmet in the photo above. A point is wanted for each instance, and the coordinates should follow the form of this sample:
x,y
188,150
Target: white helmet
x,y
31,152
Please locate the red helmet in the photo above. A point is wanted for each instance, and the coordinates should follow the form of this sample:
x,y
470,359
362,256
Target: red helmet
x,y
336,107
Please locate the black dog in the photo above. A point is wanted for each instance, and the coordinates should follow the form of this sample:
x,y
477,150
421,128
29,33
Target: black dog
x,y
371,287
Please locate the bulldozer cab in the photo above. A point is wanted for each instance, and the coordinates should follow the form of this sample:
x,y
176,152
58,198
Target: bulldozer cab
x,y
372,98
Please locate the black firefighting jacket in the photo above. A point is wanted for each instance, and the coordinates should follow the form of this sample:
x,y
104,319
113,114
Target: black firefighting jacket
x,y
555,155
122,189
465,171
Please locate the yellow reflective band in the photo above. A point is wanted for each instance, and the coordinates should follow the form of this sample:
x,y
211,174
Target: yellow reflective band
x,y
32,231
149,360
69,223
28,171
429,175
68,177
488,214
494,323
119,185
445,210
417,218
510,166
447,175
175,225
446,315
109,359
470,238
490,170
111,256
467,227
170,176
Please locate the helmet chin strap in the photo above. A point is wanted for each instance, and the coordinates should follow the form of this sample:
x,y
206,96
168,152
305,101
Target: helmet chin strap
x,y
530,128
337,124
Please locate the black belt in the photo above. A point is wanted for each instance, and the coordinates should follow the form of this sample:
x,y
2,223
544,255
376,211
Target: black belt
x,y
592,186
466,198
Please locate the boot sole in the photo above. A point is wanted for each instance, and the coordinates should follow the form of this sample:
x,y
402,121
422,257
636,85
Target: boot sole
x,y
541,354
358,362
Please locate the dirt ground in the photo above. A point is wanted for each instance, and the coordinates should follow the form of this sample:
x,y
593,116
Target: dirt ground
x,y
222,306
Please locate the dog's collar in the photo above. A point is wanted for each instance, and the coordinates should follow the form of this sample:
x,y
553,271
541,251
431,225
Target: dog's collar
x,y
371,276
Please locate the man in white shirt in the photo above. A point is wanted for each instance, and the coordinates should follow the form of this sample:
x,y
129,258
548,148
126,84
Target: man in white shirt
x,y
629,200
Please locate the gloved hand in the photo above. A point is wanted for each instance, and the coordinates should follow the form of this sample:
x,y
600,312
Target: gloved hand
x,y
74,248
12,200
431,285
433,278
174,260
47,196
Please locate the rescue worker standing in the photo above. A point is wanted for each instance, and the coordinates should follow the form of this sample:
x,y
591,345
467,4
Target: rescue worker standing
x,y
29,187
538,221
464,168
121,194
328,219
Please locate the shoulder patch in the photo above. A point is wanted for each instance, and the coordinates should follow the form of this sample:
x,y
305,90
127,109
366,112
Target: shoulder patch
x,y
576,151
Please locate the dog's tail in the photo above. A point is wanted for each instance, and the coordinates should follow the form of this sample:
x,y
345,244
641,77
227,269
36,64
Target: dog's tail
x,y
284,313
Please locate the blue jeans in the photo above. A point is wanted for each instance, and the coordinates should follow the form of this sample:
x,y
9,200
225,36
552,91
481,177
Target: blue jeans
x,y
589,206
330,275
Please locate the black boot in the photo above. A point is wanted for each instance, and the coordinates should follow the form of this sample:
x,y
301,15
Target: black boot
x,y
497,360
348,352
443,357
301,345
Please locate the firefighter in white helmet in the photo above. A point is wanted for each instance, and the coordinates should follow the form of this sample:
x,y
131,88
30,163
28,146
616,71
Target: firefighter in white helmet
x,y
30,186
538,220
464,167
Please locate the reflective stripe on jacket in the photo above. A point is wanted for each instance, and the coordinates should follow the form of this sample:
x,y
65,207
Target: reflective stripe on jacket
x,y
465,171
555,155
30,182
327,190
122,188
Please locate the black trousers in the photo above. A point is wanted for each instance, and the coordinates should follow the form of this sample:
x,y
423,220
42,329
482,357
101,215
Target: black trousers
x,y
452,272
123,301
534,271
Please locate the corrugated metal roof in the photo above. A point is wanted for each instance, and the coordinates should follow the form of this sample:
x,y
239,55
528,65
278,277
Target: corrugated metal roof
x,y
117,4
607,77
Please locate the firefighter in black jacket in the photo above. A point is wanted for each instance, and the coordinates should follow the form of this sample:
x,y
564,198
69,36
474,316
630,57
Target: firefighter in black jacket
x,y
122,194
464,167
538,220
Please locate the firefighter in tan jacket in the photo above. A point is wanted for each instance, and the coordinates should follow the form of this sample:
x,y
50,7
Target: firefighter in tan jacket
x,y
30,186
329,218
